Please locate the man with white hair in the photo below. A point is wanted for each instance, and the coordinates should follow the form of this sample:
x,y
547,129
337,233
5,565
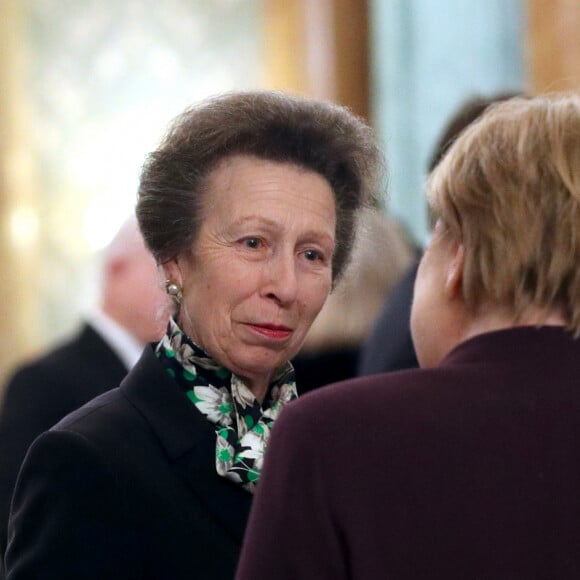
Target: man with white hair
x,y
132,312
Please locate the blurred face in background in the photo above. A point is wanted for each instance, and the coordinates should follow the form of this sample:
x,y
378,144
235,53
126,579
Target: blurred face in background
x,y
134,295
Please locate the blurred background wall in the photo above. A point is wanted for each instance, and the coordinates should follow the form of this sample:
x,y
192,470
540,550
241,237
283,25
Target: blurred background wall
x,y
88,87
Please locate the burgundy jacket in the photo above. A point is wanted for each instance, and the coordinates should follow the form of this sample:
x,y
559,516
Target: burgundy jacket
x,y
470,470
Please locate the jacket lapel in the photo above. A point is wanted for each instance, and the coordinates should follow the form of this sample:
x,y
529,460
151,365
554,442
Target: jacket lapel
x,y
189,441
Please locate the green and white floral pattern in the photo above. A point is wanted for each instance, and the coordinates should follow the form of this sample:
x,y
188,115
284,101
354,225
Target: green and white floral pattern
x,y
242,425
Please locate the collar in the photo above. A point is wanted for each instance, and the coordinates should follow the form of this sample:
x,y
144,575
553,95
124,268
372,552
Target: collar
x,y
121,341
521,344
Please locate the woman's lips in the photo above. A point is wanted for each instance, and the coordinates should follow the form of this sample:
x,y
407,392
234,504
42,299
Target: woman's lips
x,y
274,331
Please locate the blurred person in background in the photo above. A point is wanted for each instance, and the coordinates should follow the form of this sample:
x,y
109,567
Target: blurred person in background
x,y
331,350
389,346
132,312
467,467
250,207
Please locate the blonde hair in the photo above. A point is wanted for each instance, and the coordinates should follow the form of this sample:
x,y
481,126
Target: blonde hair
x,y
509,190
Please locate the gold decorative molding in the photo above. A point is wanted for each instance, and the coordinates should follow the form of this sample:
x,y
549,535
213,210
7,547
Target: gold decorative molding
x,y
318,48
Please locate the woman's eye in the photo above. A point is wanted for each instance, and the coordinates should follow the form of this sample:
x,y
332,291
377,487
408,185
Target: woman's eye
x,y
252,243
312,255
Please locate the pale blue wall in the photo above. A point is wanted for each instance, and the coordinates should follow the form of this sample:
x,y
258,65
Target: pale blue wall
x,y
427,57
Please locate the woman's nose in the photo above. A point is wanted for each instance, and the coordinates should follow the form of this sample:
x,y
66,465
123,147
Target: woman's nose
x,y
280,279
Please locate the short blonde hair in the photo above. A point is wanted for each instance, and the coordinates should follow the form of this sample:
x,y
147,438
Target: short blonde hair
x,y
509,190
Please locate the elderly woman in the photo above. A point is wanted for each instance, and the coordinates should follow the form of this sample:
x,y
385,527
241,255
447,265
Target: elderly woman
x,y
249,206
468,467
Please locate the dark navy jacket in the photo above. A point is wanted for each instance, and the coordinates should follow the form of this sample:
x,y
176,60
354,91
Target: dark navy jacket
x,y
126,488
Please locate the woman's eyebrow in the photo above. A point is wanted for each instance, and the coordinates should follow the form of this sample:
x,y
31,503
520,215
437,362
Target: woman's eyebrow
x,y
264,222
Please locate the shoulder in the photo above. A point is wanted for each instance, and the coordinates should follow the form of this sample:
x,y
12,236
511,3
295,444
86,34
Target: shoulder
x,y
60,452
346,402
108,421
60,354
65,377
367,405
132,423
40,393
99,441
362,392
69,512
62,473
61,364
51,364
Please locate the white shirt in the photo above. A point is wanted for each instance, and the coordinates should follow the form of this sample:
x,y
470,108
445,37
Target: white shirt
x,y
124,344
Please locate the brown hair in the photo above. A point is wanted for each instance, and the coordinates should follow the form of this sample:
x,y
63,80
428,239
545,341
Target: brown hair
x,y
509,190
318,136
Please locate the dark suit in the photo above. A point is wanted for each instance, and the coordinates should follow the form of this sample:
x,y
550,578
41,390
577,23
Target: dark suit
x,y
126,488
470,470
41,393
317,369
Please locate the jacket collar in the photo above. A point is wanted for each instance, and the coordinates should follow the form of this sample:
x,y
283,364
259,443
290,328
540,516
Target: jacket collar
x,y
188,439
518,345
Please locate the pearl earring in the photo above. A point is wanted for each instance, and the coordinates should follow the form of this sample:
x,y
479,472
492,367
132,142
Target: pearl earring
x,y
174,290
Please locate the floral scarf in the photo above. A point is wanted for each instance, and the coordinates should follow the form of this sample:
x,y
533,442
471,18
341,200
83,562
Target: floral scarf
x,y
242,425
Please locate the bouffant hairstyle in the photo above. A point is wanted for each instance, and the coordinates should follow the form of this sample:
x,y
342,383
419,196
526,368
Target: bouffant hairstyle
x,y
315,135
509,190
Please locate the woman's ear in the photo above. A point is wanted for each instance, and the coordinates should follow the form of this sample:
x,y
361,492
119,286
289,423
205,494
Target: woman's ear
x,y
454,279
172,272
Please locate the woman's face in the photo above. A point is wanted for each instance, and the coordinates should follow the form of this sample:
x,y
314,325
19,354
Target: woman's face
x,y
260,269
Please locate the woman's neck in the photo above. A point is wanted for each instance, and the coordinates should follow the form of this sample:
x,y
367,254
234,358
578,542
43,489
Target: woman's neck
x,y
258,387
489,319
